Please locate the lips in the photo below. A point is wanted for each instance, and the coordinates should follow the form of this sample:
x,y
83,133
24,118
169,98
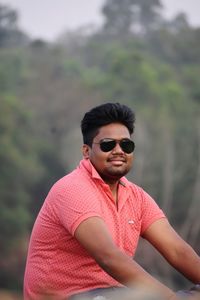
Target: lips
x,y
117,159
113,160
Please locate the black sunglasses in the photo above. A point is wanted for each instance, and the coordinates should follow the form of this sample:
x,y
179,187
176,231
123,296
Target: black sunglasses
x,y
126,145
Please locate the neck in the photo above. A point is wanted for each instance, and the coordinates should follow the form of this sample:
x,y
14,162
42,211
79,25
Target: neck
x,y
113,184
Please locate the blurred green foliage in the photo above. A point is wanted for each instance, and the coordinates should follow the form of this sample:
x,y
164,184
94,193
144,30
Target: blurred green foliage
x,y
136,58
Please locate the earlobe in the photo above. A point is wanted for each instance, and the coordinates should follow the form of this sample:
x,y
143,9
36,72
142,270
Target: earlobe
x,y
85,151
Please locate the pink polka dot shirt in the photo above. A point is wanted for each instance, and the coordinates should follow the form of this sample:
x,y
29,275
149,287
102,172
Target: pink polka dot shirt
x,y
57,265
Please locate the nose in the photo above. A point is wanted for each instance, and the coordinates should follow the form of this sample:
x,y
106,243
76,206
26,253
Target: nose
x,y
117,148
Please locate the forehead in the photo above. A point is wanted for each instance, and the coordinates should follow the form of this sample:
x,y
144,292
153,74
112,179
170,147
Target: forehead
x,y
113,130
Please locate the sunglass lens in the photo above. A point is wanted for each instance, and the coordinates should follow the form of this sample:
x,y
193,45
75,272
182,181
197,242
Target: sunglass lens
x,y
107,146
127,146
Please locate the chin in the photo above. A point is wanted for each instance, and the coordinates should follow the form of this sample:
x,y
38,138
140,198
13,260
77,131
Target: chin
x,y
117,173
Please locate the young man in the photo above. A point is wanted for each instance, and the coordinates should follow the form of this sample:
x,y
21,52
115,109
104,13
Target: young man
x,y
87,231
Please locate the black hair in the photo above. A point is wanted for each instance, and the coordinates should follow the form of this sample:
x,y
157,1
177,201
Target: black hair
x,y
105,114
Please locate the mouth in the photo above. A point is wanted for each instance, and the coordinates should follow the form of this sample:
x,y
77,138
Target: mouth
x,y
118,161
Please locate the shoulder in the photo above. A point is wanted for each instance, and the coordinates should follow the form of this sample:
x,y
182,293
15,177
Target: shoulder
x,y
140,197
75,191
76,181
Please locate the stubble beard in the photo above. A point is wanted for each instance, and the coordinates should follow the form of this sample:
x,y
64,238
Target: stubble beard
x,y
114,173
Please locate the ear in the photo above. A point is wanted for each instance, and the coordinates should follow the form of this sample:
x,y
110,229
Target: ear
x,y
85,151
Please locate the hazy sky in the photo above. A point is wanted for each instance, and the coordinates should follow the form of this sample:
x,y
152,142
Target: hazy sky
x,y
48,18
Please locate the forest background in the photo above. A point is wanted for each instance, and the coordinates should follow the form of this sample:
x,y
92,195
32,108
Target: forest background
x,y
136,57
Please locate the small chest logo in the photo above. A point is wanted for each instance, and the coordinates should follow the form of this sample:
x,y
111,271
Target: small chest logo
x,y
131,222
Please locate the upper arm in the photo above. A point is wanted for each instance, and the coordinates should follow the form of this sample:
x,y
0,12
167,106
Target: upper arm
x,y
165,239
94,236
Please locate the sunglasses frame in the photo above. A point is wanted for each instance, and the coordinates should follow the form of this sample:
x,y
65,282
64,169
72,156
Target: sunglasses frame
x,y
121,142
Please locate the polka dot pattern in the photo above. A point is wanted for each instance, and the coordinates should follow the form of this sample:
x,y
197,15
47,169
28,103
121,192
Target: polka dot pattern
x,y
57,265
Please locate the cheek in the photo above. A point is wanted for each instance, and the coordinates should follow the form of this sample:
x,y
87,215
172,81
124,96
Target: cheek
x,y
130,159
97,156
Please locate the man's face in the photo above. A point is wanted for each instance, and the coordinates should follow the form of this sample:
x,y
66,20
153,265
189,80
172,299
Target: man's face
x,y
114,164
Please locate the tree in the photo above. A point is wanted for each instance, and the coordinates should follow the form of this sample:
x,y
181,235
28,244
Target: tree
x,y
179,23
125,17
10,35
18,173
118,15
149,16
